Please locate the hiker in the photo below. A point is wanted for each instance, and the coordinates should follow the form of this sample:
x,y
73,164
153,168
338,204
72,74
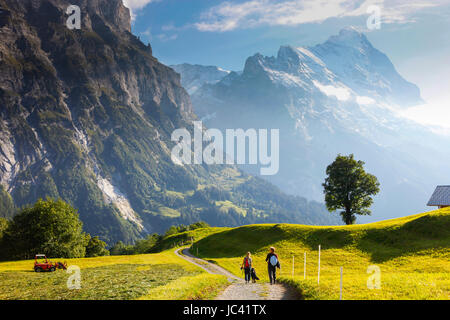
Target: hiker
x,y
247,266
272,264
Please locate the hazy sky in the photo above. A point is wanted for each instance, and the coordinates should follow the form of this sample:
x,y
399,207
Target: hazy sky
x,y
414,34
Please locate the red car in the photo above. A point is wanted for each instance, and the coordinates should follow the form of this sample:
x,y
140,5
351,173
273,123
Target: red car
x,y
41,264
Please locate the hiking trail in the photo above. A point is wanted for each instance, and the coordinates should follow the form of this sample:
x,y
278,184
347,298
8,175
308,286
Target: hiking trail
x,y
238,289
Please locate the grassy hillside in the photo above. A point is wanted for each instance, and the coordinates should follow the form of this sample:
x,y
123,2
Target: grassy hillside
x,y
148,276
413,254
186,238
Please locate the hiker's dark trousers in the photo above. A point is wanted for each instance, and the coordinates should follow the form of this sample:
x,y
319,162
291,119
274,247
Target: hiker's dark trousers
x,y
272,273
247,274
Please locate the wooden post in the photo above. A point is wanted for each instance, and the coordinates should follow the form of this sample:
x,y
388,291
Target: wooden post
x,y
340,294
293,266
304,266
318,269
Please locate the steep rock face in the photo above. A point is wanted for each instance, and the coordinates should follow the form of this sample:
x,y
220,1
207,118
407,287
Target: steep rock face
x,y
87,115
66,97
343,96
113,13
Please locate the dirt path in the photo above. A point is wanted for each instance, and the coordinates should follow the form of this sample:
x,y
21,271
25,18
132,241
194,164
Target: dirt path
x,y
238,289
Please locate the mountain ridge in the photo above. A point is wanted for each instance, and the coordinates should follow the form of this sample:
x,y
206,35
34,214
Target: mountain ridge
x,y
327,99
87,116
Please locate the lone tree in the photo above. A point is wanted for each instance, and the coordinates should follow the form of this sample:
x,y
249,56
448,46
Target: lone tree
x,y
349,188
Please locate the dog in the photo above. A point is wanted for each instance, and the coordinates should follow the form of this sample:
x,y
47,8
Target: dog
x,y
253,275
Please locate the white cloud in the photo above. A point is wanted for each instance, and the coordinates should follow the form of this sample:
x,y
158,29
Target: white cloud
x,y
135,5
341,93
164,37
435,114
229,16
364,100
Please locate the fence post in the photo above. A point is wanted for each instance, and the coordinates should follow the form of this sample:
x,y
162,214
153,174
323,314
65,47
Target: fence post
x,y
293,266
340,294
304,266
318,269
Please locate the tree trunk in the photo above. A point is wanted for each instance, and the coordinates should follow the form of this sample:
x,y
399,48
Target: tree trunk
x,y
348,216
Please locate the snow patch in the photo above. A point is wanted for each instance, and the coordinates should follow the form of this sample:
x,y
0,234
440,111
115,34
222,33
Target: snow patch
x,y
284,78
311,55
341,93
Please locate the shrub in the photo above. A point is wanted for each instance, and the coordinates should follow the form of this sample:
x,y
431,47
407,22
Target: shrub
x,y
96,247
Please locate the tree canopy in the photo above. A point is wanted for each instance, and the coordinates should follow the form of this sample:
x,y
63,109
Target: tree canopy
x,y
96,247
51,227
7,208
349,188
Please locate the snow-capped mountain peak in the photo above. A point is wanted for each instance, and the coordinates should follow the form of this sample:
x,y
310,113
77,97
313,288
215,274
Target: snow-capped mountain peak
x,y
340,96
350,37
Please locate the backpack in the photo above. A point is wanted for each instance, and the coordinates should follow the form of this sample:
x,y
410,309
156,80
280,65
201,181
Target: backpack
x,y
273,260
246,263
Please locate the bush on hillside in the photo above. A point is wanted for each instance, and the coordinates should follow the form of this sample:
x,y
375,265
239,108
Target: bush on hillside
x,y
96,247
3,226
182,228
146,245
7,208
153,241
121,249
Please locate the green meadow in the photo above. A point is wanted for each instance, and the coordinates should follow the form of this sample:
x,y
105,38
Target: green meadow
x,y
412,254
148,276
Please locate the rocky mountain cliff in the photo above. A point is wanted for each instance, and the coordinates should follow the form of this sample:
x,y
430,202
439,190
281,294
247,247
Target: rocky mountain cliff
x,y
86,115
342,96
